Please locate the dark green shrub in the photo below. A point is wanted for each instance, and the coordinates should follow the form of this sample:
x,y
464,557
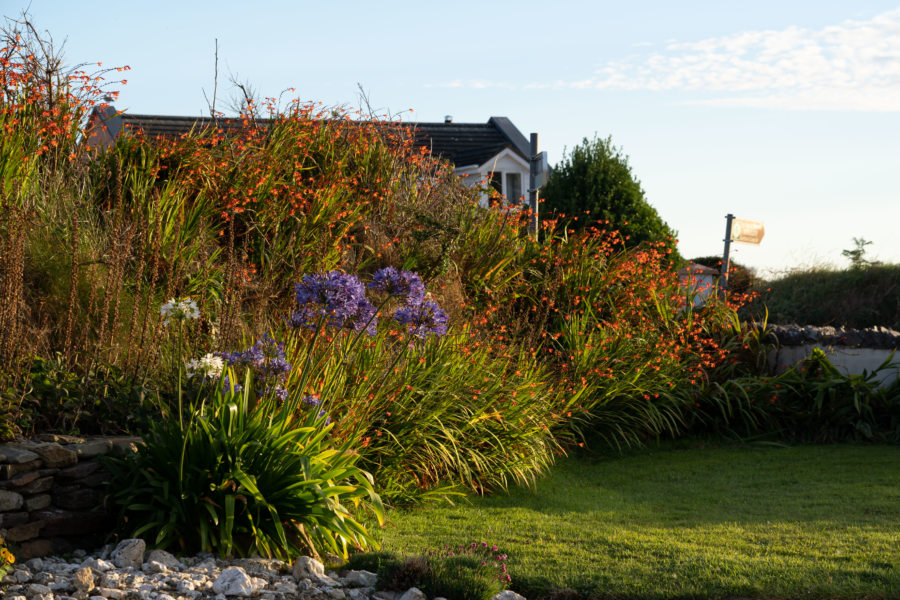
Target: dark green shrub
x,y
809,402
857,298
96,398
594,183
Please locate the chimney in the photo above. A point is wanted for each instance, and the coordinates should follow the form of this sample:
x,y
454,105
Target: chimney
x,y
448,119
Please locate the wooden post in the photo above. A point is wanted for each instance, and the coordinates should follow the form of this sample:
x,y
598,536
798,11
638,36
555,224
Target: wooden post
x,y
725,260
534,224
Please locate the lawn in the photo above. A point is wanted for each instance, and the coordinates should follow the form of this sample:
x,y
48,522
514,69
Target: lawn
x,y
690,521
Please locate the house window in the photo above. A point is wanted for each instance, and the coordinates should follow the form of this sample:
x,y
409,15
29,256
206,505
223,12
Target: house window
x,y
513,188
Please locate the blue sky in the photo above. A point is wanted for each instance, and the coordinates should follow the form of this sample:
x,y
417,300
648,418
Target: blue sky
x,y
783,112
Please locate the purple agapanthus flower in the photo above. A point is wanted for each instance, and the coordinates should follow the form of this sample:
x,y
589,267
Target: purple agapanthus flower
x,y
406,284
422,319
228,387
266,357
337,298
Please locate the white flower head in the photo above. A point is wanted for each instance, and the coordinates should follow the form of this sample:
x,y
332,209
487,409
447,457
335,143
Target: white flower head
x,y
179,309
209,366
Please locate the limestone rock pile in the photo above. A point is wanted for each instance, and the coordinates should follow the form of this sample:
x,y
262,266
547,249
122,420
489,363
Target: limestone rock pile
x,y
128,572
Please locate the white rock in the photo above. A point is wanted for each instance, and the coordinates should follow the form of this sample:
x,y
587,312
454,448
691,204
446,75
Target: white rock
x,y
165,558
325,581
234,581
129,553
111,593
98,564
359,593
96,598
60,586
307,568
36,588
35,564
385,595
83,580
205,565
17,598
21,576
288,588
152,566
413,593
507,595
184,586
360,579
164,597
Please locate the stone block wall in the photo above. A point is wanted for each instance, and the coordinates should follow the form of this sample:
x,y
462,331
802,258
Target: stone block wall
x,y
51,492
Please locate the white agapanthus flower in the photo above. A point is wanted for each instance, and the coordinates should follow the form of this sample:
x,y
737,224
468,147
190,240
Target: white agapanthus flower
x,y
209,366
179,309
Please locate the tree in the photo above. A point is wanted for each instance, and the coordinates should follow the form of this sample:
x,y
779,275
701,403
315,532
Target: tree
x,y
857,255
594,183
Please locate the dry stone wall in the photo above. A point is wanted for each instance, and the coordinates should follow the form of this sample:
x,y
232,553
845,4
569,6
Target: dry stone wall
x,y
51,492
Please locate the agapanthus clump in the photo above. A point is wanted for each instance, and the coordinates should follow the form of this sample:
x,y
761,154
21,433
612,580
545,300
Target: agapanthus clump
x,y
419,312
423,318
335,298
399,283
269,363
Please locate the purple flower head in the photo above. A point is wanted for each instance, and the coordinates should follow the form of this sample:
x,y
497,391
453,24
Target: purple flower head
x,y
266,357
399,283
311,400
228,387
337,298
279,391
422,319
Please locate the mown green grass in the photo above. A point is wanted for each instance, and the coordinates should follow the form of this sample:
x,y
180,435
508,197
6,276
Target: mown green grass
x,y
690,522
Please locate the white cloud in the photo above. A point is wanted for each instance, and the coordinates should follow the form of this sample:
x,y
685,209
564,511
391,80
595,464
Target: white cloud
x,y
854,65
851,66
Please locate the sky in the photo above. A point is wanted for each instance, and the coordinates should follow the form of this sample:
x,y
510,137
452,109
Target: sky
x,y
785,112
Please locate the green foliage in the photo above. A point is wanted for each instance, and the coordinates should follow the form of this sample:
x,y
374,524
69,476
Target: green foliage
x,y
809,402
856,298
96,399
689,520
239,478
472,571
447,414
594,183
857,255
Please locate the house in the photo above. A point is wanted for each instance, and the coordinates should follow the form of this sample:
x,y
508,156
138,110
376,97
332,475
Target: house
x,y
698,282
495,153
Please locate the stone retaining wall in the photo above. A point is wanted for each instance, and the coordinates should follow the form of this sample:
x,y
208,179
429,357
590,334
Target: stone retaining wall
x,y
51,496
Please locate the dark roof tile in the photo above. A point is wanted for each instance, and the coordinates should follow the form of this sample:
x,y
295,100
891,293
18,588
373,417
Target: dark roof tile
x,y
462,144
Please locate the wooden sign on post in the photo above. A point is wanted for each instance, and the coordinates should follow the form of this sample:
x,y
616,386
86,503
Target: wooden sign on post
x,y
748,232
739,230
